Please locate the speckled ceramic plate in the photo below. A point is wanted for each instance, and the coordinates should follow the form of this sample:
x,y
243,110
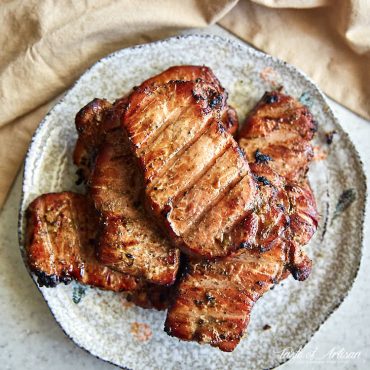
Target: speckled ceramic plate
x,y
104,323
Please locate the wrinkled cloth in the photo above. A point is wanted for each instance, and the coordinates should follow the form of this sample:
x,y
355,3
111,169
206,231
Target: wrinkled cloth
x,y
46,45
327,39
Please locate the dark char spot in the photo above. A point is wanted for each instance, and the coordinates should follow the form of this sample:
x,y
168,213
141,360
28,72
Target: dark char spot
x,y
270,98
263,180
330,136
261,158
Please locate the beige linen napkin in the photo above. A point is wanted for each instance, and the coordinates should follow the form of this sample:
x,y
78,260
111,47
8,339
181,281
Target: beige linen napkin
x,y
330,41
45,45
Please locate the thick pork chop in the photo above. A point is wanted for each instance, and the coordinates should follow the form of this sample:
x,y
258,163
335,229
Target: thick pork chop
x,y
278,131
281,128
214,298
182,149
129,241
61,230
229,117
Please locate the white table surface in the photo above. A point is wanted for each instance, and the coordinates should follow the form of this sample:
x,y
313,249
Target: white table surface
x,y
31,339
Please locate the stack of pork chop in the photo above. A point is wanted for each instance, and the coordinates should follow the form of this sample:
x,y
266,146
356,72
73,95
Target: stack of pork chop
x,y
166,178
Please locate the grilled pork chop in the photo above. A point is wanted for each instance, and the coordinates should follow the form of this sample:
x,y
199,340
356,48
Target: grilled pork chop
x,y
214,298
61,230
129,241
278,131
197,180
281,128
229,117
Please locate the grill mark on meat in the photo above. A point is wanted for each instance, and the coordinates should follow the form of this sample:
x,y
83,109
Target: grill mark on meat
x,y
166,125
185,171
215,298
164,151
281,127
209,236
187,165
61,229
197,74
167,96
146,127
115,190
144,131
192,204
283,219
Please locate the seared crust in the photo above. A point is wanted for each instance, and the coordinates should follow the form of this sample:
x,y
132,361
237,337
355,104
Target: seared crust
x,y
61,230
93,122
243,227
229,117
176,135
294,206
215,298
304,219
129,241
99,116
280,127
89,126
150,296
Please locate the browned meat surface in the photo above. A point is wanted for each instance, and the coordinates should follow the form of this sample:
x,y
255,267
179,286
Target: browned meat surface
x,y
129,241
278,131
304,219
214,299
280,127
228,114
99,116
61,230
182,149
291,205
152,296
93,122
243,225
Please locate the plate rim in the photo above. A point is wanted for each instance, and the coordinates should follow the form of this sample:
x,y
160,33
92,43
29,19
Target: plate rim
x,y
241,45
